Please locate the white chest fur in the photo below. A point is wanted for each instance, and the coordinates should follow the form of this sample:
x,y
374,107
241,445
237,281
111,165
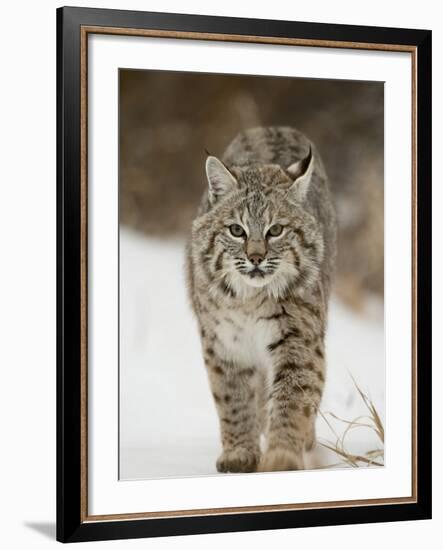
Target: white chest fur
x,y
243,338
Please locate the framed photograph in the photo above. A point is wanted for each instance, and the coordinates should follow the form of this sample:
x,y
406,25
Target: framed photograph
x,y
244,274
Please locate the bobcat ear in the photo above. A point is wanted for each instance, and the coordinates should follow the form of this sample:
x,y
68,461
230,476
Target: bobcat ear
x,y
301,172
220,179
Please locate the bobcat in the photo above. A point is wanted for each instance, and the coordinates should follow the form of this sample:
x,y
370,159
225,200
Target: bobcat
x,y
259,264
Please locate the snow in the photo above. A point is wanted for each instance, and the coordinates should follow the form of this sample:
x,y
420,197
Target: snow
x,y
168,423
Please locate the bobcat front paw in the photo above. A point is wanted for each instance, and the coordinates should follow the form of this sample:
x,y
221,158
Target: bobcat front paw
x,y
280,460
238,460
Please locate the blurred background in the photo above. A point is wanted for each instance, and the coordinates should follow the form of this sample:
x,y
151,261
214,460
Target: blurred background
x,y
168,425
168,120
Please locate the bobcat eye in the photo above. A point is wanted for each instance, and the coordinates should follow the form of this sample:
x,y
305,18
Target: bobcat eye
x,y
275,230
236,230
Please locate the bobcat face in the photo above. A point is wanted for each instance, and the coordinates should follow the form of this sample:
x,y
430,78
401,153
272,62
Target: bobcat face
x,y
260,233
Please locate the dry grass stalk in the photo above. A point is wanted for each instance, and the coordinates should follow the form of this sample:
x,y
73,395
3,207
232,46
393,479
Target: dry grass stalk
x,y
370,421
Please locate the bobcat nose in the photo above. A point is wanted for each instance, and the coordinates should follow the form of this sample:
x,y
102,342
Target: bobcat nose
x,y
256,259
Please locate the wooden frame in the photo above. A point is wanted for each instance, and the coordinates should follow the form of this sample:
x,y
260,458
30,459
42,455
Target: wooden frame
x,y
73,26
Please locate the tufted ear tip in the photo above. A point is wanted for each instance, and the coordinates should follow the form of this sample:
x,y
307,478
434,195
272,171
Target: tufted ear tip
x,y
301,172
300,167
220,179
212,164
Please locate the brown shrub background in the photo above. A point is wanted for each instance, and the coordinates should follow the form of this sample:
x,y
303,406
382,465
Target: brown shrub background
x,y
168,119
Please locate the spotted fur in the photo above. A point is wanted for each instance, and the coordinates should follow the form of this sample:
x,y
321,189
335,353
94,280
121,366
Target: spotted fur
x,y
261,301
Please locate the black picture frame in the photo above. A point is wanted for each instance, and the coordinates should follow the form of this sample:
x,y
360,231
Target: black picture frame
x,y
71,523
